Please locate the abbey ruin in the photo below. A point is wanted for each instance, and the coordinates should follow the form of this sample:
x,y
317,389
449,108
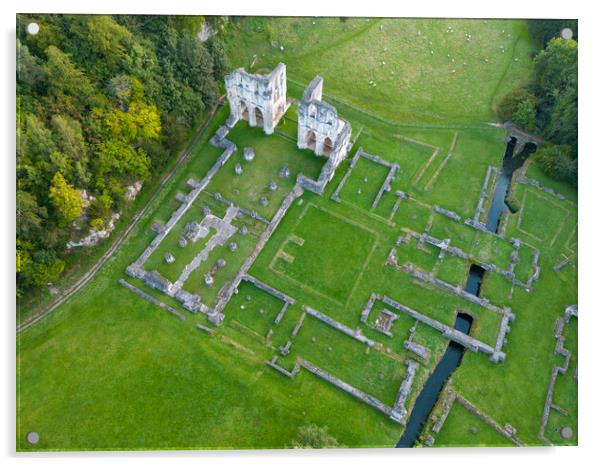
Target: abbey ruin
x,y
259,99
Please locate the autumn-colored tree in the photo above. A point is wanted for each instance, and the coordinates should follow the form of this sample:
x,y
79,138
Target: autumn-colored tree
x,y
65,198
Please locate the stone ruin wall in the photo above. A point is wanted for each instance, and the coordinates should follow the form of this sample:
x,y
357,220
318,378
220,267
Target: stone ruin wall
x,y
254,95
320,129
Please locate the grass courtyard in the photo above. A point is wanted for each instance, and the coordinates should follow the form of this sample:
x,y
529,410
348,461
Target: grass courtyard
x,y
334,272
109,370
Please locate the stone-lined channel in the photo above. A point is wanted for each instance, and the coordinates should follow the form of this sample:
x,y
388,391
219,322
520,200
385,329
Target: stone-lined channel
x,y
510,164
448,363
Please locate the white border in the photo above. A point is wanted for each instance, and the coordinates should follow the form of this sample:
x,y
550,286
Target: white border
x,y
589,231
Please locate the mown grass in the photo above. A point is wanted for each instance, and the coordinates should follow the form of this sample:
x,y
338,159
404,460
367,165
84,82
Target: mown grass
x,y
271,154
463,428
332,273
393,67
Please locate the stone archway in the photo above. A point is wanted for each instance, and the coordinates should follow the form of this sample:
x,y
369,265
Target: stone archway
x,y
327,147
258,117
311,140
244,111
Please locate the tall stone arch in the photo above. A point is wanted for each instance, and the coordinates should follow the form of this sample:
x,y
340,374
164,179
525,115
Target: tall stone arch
x,y
267,93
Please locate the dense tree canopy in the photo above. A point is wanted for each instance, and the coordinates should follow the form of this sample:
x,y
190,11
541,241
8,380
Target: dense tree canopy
x,y
548,104
101,101
543,30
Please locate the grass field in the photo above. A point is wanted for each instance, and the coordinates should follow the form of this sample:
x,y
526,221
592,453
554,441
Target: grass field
x,y
463,428
108,370
396,58
334,272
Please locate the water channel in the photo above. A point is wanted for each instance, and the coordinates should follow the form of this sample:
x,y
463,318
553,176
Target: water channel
x,y
448,363
453,355
510,164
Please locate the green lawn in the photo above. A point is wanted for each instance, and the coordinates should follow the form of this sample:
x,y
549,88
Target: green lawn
x,y
391,59
364,183
271,154
332,256
463,428
541,217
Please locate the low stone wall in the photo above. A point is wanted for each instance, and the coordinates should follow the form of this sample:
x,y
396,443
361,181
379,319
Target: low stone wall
x,y
374,158
357,393
368,307
418,349
399,411
447,213
508,431
356,334
249,213
151,299
263,239
311,185
298,325
268,289
447,400
290,374
204,328
274,292
560,350
448,332
561,264
386,186
335,196
491,170
538,185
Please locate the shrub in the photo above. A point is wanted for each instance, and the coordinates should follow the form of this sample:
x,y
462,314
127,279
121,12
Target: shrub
x,y
97,223
556,162
525,114
507,106
313,436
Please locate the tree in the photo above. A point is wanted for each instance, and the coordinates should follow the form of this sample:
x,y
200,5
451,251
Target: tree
x,y
65,198
556,161
70,140
312,436
556,66
102,42
525,115
141,121
195,64
507,105
542,30
115,159
221,62
556,78
120,87
30,216
37,143
65,79
44,268
28,69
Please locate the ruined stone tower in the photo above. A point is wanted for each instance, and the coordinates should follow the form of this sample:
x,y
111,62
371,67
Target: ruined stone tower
x,y
320,128
259,99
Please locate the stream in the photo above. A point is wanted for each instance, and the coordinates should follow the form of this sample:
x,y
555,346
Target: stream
x,y
448,363
510,164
